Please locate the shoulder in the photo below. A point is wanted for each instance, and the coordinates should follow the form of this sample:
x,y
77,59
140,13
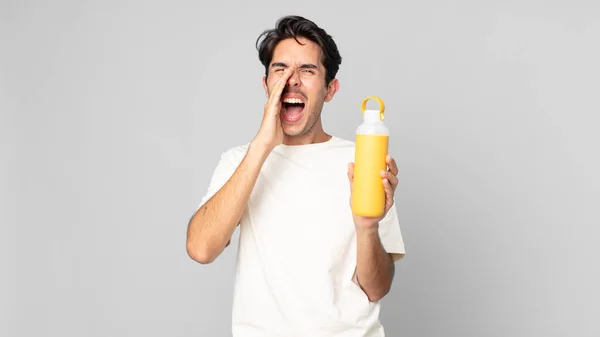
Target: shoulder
x,y
342,145
232,156
341,141
238,151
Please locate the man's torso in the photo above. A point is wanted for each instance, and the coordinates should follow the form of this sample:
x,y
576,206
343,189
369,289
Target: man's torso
x,y
297,249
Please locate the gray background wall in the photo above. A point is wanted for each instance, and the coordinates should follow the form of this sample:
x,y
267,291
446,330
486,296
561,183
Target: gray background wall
x,y
114,114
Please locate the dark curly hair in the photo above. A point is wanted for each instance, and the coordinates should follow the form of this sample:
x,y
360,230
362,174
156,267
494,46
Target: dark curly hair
x,y
294,26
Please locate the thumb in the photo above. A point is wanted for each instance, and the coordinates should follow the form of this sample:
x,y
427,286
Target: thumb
x,y
350,174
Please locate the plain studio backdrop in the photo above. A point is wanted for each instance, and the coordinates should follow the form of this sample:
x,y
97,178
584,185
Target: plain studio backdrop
x,y
114,114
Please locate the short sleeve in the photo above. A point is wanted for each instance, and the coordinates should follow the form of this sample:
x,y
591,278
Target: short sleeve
x,y
221,174
390,234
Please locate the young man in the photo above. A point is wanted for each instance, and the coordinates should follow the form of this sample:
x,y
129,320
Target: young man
x,y
306,265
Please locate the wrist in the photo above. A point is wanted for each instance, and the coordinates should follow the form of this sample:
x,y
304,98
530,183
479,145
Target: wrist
x,y
368,231
259,149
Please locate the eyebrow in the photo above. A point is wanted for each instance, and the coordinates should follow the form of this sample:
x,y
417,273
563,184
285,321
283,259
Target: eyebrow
x,y
302,66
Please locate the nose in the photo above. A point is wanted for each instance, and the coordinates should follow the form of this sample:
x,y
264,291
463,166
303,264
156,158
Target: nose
x,y
294,79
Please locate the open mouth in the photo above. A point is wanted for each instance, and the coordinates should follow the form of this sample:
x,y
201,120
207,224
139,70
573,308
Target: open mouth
x,y
292,109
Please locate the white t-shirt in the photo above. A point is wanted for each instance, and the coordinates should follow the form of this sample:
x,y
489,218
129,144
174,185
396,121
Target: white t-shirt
x,y
297,247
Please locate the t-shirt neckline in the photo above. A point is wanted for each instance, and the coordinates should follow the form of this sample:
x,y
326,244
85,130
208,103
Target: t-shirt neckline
x,y
308,146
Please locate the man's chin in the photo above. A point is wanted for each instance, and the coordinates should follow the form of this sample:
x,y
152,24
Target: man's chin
x,y
295,129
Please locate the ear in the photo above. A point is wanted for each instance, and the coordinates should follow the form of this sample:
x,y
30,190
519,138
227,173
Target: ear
x,y
332,88
265,87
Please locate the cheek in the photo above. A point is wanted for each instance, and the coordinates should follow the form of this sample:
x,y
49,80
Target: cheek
x,y
270,84
315,89
272,79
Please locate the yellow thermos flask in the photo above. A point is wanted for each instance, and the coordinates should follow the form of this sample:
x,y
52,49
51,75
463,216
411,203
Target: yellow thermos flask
x,y
371,149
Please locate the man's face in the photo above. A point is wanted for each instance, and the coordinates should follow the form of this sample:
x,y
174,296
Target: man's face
x,y
305,92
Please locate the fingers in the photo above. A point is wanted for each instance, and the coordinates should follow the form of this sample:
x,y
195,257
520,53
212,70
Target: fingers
x,y
389,193
350,171
279,85
392,164
392,179
350,174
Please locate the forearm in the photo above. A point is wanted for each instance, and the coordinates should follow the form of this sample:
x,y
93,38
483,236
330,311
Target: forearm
x,y
211,227
375,267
